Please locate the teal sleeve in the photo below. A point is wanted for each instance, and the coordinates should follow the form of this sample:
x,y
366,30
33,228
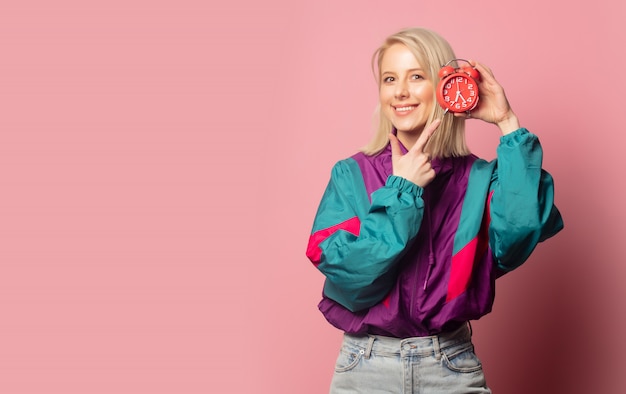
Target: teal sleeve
x,y
522,205
359,265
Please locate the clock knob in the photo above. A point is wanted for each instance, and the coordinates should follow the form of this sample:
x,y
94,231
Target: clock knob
x,y
472,72
445,71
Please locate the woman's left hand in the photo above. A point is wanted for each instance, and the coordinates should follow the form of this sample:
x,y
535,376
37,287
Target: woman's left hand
x,y
493,106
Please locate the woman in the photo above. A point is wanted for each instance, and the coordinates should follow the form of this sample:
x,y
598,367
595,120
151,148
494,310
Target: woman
x,y
413,231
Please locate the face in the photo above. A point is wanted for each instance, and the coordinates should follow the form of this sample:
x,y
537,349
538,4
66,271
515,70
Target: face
x,y
406,96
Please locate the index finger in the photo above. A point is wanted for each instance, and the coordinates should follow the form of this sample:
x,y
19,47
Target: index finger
x,y
395,145
425,136
482,69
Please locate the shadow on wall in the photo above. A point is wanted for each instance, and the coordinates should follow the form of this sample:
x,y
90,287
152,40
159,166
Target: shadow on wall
x,y
553,328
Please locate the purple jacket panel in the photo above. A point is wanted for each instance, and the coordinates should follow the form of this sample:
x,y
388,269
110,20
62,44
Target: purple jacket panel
x,y
417,304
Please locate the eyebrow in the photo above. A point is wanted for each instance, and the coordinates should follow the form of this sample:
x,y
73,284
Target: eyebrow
x,y
410,70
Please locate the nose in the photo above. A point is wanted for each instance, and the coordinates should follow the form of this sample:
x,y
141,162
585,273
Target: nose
x,y
402,90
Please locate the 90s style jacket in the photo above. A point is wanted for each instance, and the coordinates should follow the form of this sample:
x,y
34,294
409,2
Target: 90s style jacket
x,y
403,261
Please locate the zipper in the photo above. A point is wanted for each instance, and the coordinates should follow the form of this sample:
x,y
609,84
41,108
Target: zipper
x,y
427,220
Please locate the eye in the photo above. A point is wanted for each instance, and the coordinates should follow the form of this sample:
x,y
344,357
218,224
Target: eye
x,y
416,77
388,79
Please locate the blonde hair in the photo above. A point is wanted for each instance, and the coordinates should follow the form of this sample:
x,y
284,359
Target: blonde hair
x,y
431,51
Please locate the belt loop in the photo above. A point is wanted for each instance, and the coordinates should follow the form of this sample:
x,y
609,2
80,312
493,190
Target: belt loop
x,y
436,347
370,345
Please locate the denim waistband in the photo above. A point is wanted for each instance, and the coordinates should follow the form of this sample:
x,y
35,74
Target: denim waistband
x,y
429,345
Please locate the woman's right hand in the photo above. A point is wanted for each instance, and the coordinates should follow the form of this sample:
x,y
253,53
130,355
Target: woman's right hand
x,y
415,164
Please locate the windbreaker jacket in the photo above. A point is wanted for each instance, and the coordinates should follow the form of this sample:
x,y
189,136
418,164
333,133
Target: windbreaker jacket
x,y
402,261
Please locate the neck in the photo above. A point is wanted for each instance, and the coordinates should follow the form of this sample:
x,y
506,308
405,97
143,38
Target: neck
x,y
408,139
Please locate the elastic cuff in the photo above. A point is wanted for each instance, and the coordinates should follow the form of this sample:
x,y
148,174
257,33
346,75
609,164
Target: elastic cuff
x,y
515,137
404,185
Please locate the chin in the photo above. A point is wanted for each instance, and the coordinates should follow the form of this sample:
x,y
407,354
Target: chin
x,y
410,128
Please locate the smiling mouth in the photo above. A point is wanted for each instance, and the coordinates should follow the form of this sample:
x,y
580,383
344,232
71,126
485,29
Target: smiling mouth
x,y
405,108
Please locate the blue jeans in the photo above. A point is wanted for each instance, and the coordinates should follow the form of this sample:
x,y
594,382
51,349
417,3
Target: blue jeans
x,y
439,364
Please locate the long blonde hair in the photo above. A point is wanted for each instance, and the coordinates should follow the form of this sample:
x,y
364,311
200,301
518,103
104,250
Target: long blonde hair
x,y
431,51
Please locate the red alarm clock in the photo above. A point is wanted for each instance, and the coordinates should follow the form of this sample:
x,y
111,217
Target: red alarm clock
x,y
457,90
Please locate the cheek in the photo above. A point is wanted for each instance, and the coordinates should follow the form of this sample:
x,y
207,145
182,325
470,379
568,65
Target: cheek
x,y
385,99
384,95
426,93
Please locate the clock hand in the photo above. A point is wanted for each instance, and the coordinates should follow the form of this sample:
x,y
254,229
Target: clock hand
x,y
458,93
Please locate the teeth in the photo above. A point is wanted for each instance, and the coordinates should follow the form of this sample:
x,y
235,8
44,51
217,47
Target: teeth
x,y
402,109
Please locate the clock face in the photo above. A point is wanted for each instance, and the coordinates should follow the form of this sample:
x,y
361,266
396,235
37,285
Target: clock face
x,y
457,93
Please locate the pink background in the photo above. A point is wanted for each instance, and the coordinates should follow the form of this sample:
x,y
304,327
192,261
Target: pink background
x,y
161,163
